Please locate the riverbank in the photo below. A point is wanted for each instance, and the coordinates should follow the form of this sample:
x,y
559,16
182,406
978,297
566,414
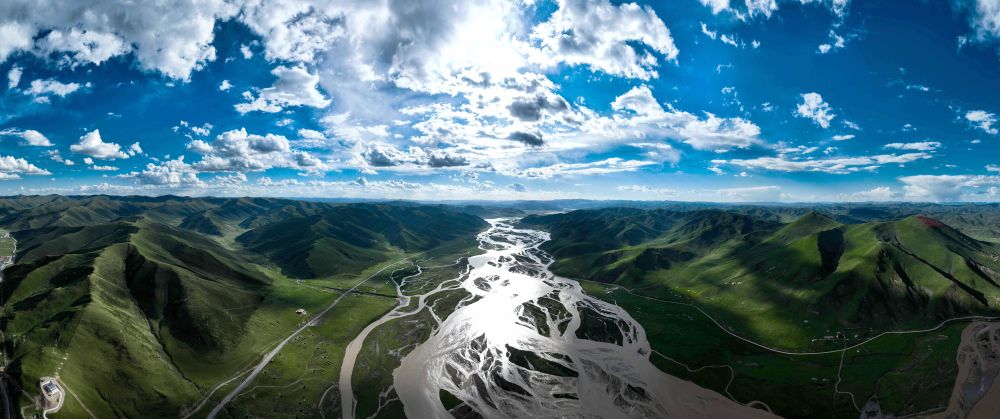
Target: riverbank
x,y
531,344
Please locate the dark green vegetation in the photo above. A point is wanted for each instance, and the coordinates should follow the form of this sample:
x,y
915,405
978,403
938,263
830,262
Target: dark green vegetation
x,y
810,285
143,305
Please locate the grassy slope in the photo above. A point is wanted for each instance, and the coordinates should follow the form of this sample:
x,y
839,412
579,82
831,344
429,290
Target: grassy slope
x,y
140,318
810,278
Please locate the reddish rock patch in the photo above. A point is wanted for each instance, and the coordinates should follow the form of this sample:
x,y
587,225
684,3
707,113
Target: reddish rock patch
x,y
929,222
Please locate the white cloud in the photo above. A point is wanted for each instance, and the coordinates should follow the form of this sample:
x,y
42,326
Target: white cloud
x,y
28,137
641,116
295,86
834,165
13,77
917,146
83,46
51,87
169,173
876,194
134,149
717,6
984,18
992,168
709,33
35,138
836,42
750,194
12,168
843,137
724,38
225,85
761,7
239,151
246,52
946,188
93,146
597,33
100,168
611,165
982,120
813,107
171,38
638,99
645,190
14,36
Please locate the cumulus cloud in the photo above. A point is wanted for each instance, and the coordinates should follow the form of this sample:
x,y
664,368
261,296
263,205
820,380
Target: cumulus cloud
x,y
640,117
239,151
171,38
83,46
813,107
982,120
14,36
51,87
599,34
638,99
92,145
295,86
225,85
171,172
28,137
717,6
843,137
35,138
12,167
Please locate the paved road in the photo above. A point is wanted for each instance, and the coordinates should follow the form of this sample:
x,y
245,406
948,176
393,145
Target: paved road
x,y
274,352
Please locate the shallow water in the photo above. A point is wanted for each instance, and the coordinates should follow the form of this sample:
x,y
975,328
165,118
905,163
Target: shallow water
x,y
534,345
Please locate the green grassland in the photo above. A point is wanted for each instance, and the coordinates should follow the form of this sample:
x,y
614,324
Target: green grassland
x,y
810,285
142,314
303,379
909,373
7,244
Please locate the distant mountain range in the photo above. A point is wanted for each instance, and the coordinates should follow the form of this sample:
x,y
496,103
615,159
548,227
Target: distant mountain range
x,y
864,275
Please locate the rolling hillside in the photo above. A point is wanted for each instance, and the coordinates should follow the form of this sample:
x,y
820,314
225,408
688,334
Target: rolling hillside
x,y
857,277
141,305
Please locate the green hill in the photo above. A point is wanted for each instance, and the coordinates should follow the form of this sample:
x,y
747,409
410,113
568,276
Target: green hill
x,y
141,306
859,277
346,239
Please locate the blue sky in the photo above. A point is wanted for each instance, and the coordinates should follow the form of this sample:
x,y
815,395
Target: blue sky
x,y
708,100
